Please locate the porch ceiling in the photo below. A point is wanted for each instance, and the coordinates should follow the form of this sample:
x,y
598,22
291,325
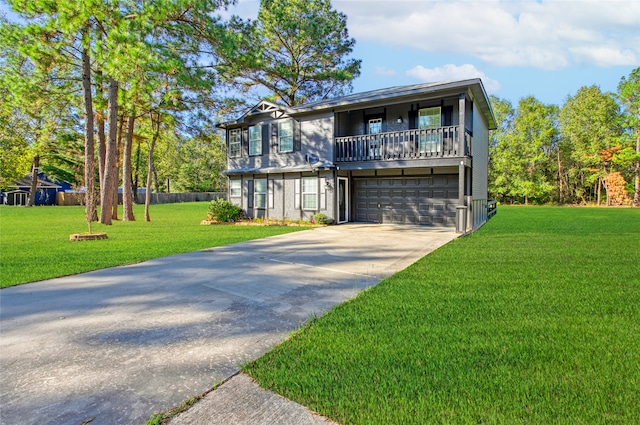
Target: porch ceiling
x,y
406,163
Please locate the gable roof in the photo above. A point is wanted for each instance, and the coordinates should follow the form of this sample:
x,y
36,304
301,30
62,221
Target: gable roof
x,y
264,107
401,94
381,97
25,182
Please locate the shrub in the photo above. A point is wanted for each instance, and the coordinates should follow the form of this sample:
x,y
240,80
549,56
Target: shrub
x,y
320,218
224,211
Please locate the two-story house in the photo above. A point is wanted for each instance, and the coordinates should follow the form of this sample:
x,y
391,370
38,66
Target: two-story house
x,y
405,155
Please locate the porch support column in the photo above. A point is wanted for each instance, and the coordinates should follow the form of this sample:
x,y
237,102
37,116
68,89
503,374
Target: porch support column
x,y
461,209
462,150
461,183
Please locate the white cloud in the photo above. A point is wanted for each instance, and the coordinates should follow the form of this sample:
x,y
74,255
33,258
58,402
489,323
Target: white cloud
x,y
384,71
549,34
452,72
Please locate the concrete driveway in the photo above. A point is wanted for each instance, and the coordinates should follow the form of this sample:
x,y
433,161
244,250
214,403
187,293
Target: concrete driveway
x,y
116,345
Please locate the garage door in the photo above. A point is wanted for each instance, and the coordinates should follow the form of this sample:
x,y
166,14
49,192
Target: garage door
x,y
429,200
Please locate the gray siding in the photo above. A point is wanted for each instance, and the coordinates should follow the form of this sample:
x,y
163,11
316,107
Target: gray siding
x,y
315,134
282,190
480,170
317,138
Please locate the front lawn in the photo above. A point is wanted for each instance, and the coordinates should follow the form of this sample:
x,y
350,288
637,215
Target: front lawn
x,y
34,242
534,319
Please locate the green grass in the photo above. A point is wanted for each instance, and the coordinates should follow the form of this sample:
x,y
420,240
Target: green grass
x,y
534,319
34,242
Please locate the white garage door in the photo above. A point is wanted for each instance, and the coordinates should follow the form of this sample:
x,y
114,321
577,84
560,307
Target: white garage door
x,y
429,200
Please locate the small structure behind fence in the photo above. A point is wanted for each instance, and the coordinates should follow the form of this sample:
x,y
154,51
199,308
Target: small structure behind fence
x,y
156,198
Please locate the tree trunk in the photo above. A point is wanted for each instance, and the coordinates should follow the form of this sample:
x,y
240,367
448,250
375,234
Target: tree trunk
x,y
114,207
102,143
101,134
636,197
156,133
127,198
136,177
155,179
89,144
560,198
34,181
598,190
110,181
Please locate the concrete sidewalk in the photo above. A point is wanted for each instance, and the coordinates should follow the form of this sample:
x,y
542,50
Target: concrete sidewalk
x,y
240,401
116,345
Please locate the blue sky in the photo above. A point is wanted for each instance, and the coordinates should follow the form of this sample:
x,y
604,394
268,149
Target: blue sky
x,y
545,48
548,49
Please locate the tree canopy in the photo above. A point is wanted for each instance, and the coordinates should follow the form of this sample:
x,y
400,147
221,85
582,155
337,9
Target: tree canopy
x,y
297,49
575,153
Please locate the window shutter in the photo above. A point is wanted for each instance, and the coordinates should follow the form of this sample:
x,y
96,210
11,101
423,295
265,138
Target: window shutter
x,y
270,184
250,200
266,137
297,194
297,136
245,141
413,120
323,193
447,115
274,136
384,124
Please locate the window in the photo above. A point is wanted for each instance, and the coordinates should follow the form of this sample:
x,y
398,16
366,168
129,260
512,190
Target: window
x,y
309,193
235,188
255,140
234,142
429,120
285,136
260,193
375,126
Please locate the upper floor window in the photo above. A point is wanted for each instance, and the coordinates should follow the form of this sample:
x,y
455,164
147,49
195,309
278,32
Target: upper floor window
x,y
429,120
285,136
429,117
234,142
255,140
375,126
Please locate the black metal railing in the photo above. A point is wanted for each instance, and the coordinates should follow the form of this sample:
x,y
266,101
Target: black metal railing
x,y
492,208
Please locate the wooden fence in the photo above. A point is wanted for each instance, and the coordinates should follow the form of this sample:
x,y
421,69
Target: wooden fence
x,y
156,198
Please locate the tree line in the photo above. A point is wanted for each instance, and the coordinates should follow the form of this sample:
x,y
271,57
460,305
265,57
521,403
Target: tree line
x,y
126,93
107,94
585,152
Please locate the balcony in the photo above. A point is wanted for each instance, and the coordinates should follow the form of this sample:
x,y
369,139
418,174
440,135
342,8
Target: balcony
x,y
442,142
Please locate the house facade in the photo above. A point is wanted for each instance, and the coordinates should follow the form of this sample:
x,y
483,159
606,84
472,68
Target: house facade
x,y
403,155
18,194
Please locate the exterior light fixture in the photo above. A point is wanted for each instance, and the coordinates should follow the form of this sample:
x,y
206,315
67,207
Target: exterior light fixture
x,y
399,120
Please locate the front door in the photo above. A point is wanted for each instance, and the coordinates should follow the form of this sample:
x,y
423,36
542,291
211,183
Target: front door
x,y
343,200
